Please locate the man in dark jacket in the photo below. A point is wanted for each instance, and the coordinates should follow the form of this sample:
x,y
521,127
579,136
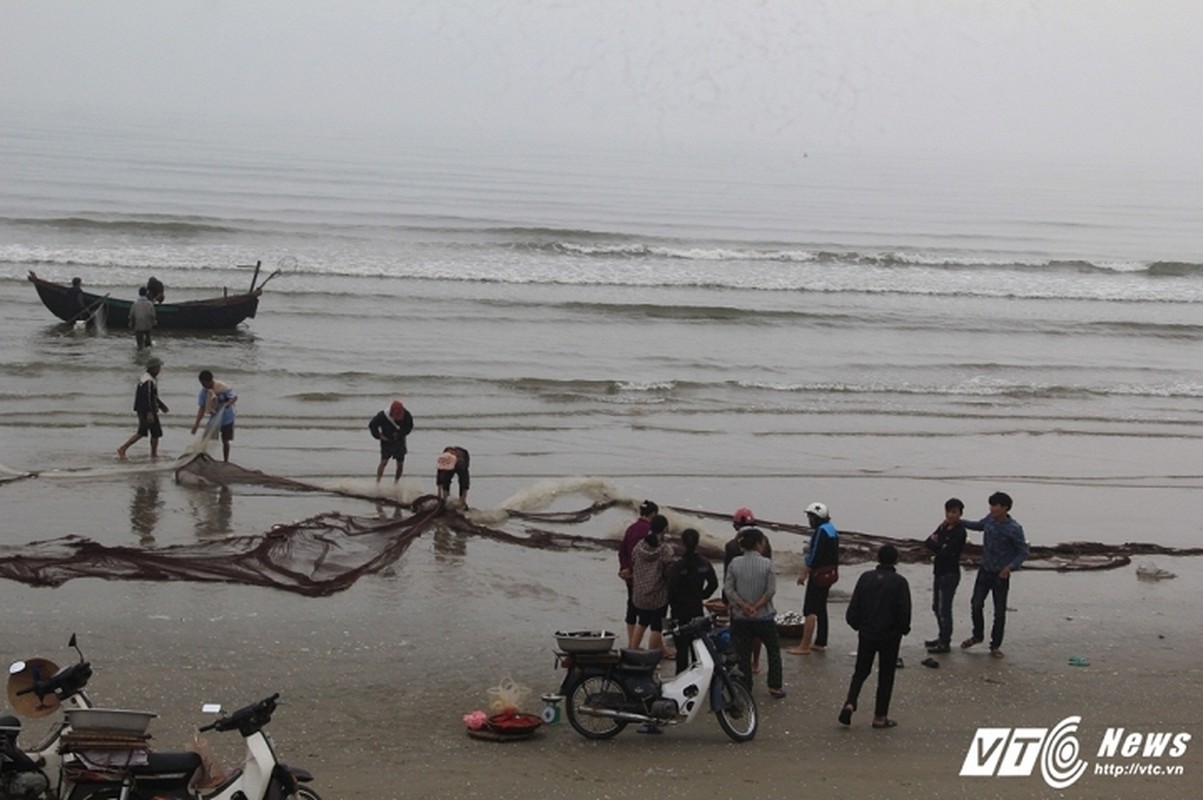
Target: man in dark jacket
x,y
946,544
390,429
147,406
880,613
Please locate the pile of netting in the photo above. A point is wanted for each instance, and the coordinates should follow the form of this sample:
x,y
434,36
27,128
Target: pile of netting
x,y
329,552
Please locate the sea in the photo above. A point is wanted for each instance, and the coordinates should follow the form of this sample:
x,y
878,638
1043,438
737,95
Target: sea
x,y
711,326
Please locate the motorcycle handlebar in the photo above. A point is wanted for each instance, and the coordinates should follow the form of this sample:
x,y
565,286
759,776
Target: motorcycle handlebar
x,y
248,719
694,628
64,683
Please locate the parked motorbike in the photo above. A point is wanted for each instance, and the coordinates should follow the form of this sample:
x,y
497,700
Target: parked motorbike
x,y
76,762
605,692
37,688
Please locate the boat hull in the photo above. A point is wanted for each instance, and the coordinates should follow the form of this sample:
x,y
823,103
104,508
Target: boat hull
x,y
227,311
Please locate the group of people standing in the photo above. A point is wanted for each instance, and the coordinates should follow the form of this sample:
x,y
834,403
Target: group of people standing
x,y
879,609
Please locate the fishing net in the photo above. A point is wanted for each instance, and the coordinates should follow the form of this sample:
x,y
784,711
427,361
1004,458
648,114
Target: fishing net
x,y
327,553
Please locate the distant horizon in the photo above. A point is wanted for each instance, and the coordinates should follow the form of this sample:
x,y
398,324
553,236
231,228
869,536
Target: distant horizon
x,y
1099,82
262,131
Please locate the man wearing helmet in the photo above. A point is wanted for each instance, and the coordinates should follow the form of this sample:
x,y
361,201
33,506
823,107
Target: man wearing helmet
x,y
824,551
743,520
750,585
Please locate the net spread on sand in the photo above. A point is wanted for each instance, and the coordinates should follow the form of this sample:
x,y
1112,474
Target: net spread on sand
x,y
329,552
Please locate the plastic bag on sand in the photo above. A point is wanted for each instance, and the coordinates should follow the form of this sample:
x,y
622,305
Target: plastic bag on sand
x,y
210,773
507,696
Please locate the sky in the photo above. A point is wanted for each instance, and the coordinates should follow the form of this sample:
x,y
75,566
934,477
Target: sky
x,y
1087,79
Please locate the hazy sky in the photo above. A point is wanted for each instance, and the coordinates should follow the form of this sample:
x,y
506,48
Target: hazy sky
x,y
1093,78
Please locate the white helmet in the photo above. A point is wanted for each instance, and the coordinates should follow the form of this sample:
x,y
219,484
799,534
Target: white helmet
x,y
819,510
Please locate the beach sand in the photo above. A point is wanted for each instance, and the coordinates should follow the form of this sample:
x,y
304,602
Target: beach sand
x,y
375,680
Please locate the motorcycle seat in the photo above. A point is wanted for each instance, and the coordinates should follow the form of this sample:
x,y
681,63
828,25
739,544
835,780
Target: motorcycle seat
x,y
640,659
167,763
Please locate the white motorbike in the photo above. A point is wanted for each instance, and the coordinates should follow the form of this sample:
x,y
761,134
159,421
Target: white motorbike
x,y
101,754
604,692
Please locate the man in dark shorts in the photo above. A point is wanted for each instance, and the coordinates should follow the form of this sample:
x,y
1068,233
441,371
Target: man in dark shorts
x,y
216,399
453,461
390,428
147,406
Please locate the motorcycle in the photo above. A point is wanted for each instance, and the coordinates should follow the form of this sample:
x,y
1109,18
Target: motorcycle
x,y
604,692
37,688
78,762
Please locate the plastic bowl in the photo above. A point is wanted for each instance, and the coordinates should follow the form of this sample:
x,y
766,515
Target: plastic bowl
x,y
109,719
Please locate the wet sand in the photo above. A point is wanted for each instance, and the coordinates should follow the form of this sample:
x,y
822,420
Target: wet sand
x,y
375,680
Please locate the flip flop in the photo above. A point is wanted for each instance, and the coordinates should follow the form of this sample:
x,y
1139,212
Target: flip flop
x,y
930,662
1079,661
889,723
777,694
846,715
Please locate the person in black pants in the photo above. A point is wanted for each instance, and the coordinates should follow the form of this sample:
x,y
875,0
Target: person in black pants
x,y
691,579
880,613
946,544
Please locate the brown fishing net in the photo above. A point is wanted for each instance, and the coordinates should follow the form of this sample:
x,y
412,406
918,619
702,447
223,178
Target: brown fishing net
x,y
329,552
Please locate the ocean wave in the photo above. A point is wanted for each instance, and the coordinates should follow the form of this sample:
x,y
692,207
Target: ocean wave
x,y
1176,269
150,224
985,388
597,388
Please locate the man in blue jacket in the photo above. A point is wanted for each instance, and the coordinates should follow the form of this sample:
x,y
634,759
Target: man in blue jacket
x,y
1004,549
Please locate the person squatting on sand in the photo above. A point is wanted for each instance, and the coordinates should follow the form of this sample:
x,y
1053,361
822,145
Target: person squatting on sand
x,y
453,461
634,534
750,585
1004,549
824,552
650,561
390,429
147,406
216,397
880,613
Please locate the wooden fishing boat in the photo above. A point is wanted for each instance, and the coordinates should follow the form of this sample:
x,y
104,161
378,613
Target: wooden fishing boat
x,y
226,311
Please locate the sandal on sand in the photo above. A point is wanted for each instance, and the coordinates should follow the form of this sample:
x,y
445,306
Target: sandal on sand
x,y
889,723
970,642
846,715
799,651
777,694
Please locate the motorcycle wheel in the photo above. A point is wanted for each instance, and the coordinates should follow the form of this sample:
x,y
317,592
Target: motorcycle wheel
x,y
583,695
738,718
304,793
